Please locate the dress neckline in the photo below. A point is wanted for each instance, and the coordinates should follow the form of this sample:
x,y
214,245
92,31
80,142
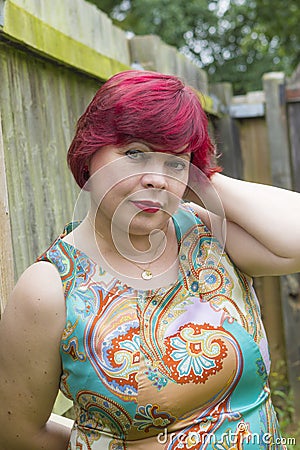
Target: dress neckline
x,y
82,257
184,220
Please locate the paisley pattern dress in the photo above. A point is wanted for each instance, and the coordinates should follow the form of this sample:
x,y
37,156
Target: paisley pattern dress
x,y
184,366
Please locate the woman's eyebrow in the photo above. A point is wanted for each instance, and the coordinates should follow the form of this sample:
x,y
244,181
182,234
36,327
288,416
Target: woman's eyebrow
x,y
183,154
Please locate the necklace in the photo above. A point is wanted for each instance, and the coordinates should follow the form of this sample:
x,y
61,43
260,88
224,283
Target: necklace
x,y
146,273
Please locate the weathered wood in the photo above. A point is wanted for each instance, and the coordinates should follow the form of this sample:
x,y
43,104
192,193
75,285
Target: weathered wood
x,y
294,135
226,133
295,78
2,12
153,54
269,295
6,249
246,110
40,104
62,420
255,150
25,27
292,94
274,87
62,404
83,22
257,168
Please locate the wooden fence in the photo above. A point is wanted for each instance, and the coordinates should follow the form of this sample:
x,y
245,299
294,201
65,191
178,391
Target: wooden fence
x,y
50,66
264,128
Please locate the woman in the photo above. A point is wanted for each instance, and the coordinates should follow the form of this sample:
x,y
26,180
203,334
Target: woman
x,y
138,313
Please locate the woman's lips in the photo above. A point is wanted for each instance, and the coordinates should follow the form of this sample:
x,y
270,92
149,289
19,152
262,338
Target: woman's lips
x,y
147,206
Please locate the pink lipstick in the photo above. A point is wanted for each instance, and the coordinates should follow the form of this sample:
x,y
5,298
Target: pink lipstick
x,y
148,206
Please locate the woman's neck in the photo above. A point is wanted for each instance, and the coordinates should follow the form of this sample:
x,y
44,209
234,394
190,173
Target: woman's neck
x,y
123,241
129,266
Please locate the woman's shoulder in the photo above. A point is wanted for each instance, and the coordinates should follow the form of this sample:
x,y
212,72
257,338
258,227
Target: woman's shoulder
x,y
37,301
39,284
30,333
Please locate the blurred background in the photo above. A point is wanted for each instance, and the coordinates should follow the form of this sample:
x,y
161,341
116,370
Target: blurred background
x,y
233,40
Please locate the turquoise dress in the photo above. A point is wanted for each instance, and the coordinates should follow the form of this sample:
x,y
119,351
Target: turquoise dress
x,y
181,367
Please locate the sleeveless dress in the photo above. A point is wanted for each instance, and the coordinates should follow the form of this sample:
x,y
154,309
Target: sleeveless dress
x,y
184,366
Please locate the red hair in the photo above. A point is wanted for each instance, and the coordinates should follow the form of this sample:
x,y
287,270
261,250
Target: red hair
x,y
154,108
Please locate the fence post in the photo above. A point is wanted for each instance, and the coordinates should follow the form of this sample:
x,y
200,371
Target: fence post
x,y
151,53
276,116
6,248
226,132
274,87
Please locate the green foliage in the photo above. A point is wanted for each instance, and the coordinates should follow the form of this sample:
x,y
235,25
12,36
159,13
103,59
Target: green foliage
x,y
167,18
283,402
233,40
283,23
281,394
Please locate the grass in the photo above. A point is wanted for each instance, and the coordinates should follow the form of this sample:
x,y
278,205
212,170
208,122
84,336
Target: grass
x,y
292,432
283,402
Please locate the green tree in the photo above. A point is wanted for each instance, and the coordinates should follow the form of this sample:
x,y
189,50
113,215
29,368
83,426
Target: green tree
x,y
282,23
233,40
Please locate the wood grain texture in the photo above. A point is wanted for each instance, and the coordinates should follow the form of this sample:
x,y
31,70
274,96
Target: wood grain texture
x,y
6,249
83,22
253,135
281,175
40,104
294,134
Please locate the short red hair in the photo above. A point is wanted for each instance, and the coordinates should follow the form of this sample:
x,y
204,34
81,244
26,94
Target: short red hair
x,y
156,109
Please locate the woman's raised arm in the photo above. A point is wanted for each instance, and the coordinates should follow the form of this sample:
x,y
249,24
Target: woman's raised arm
x,y
263,224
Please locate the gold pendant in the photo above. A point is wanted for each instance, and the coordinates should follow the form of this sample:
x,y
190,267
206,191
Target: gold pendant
x,y
146,274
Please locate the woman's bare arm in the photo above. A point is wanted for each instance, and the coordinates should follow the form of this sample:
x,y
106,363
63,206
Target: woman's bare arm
x,y
263,224
30,366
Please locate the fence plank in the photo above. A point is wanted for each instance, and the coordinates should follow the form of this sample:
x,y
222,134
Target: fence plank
x,y
294,132
6,249
255,150
257,168
226,133
274,87
40,103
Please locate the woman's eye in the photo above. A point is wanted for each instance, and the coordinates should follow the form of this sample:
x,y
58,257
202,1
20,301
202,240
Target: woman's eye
x,y
177,165
135,154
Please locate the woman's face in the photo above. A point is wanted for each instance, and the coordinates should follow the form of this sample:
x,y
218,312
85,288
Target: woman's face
x,y
137,188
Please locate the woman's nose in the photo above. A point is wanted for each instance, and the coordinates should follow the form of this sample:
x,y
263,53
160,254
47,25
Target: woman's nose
x,y
156,180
